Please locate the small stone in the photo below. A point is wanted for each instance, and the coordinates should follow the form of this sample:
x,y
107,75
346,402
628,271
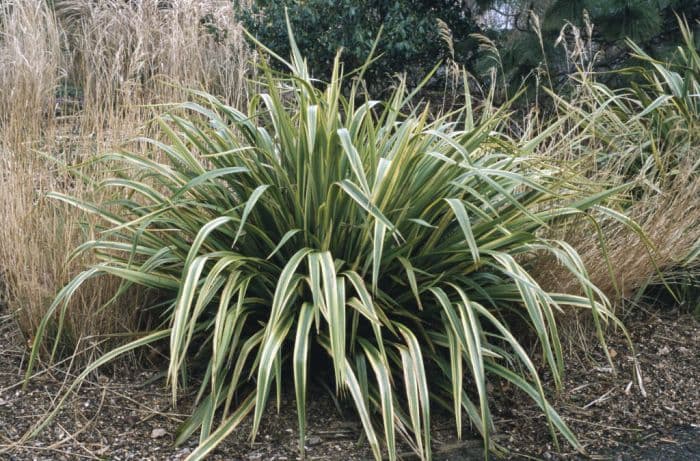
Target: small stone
x,y
313,440
158,433
182,454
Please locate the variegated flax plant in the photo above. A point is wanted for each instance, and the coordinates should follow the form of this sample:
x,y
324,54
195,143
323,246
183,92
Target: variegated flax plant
x,y
320,222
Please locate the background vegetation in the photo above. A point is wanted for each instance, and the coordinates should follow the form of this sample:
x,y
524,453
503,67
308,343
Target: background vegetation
x,y
75,79
410,39
290,219
416,34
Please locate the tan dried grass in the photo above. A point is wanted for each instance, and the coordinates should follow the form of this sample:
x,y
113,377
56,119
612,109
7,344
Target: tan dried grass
x,y
670,219
119,58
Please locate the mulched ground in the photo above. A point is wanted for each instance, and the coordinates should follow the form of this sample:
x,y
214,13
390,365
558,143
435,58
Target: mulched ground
x,y
608,412
120,418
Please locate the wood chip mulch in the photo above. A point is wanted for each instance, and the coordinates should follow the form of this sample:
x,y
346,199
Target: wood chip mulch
x,y
119,418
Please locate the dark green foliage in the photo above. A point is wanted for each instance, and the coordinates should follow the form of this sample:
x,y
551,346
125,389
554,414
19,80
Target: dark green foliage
x,y
615,20
409,41
652,24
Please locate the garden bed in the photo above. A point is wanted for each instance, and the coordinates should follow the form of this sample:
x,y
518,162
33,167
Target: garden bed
x,y
120,418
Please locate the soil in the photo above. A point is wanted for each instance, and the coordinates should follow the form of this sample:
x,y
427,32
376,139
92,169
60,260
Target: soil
x,y
606,408
121,418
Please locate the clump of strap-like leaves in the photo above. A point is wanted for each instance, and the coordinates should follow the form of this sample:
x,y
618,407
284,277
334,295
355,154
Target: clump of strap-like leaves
x,y
318,223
